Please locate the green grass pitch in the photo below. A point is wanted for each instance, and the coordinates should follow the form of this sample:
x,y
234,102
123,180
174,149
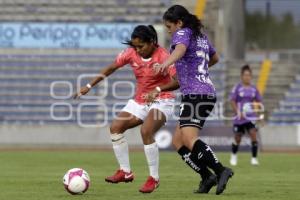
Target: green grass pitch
x,y
37,175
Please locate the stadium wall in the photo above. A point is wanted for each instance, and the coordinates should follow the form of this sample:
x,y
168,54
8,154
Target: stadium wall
x,y
280,137
63,136
70,136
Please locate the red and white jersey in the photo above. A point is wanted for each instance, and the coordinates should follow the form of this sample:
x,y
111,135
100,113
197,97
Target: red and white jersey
x,y
144,72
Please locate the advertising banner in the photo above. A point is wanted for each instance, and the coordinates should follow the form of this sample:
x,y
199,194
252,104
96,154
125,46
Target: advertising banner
x,y
64,35
219,138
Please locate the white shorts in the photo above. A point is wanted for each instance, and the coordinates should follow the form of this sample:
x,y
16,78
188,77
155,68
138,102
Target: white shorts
x,y
166,106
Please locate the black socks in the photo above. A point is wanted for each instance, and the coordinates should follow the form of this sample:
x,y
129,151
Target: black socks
x,y
204,153
254,148
198,166
234,148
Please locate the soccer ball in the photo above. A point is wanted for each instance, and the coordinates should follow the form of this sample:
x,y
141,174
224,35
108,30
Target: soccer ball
x,y
76,181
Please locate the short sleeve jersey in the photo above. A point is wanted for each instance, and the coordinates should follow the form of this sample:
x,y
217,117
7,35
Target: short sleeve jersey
x,y
244,97
144,72
192,68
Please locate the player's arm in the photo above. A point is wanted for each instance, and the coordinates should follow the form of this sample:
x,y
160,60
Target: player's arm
x,y
259,110
178,53
213,60
236,110
258,106
105,72
234,107
233,100
172,85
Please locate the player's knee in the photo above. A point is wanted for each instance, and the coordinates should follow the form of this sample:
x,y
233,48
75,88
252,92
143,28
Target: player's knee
x,y
253,136
145,132
188,142
176,142
116,128
238,140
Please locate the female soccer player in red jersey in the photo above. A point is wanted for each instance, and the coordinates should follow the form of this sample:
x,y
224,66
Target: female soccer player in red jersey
x,y
143,54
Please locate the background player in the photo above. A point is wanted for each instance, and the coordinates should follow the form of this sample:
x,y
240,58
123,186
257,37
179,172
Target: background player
x,y
243,97
143,53
192,54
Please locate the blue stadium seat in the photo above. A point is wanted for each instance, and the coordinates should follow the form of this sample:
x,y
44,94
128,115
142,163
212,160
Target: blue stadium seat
x,y
288,112
25,84
83,10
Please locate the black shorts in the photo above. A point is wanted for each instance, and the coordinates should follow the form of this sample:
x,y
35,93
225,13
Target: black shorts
x,y
244,128
195,108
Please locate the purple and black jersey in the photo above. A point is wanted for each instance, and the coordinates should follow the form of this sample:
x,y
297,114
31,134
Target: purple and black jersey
x,y
192,68
244,97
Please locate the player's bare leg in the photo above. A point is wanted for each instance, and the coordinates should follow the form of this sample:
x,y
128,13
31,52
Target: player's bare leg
x,y
208,179
123,122
204,153
177,138
254,146
153,122
235,148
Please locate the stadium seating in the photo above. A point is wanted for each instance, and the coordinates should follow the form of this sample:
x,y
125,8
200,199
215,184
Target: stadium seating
x,y
27,76
27,98
289,108
281,77
83,10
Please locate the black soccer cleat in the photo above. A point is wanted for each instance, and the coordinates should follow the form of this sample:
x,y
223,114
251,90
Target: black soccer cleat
x,y
223,180
206,184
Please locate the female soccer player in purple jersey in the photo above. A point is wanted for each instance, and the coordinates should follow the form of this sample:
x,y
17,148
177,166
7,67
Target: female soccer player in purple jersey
x,y
193,54
243,98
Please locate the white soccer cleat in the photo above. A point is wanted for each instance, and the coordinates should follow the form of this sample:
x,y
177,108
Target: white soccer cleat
x,y
233,160
254,161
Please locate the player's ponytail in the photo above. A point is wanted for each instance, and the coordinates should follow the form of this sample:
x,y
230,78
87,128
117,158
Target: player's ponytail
x,y
145,33
154,34
178,12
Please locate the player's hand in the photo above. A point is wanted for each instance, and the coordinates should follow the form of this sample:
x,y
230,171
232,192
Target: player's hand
x,y
160,68
84,90
151,96
261,120
261,123
241,115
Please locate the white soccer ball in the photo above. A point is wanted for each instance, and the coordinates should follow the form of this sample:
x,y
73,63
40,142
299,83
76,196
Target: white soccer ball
x,y
76,181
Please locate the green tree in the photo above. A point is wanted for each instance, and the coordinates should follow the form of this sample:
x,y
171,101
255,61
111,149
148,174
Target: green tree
x,y
273,33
